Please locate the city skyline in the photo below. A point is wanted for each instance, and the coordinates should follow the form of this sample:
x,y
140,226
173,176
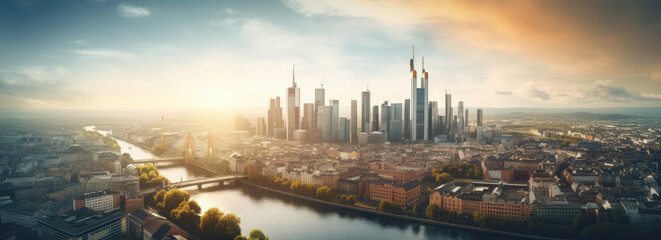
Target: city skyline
x,y
155,55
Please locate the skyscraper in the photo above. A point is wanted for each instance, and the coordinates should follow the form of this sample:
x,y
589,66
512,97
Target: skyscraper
x,y
319,101
293,108
335,120
354,121
460,117
308,117
343,130
275,120
419,103
324,118
433,119
375,118
365,112
466,120
407,118
385,117
395,125
479,118
448,113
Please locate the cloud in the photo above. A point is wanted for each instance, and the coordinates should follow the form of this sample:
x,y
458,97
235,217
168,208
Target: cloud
x,y
223,22
576,38
128,10
604,91
504,92
230,11
50,85
311,8
104,53
531,91
81,42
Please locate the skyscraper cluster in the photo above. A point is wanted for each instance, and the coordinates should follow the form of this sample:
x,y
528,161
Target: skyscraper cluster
x,y
417,119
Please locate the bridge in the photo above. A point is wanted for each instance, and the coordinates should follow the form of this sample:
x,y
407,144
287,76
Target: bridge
x,y
199,182
186,151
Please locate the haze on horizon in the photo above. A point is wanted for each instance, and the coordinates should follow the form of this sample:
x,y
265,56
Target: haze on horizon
x,y
106,54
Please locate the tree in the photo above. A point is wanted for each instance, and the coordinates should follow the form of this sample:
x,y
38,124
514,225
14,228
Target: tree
x,y
257,234
433,212
416,209
443,178
187,214
172,199
240,237
389,207
159,196
604,231
351,199
217,225
325,193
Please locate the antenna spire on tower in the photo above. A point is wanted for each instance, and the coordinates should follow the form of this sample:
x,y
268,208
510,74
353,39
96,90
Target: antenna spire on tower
x,y
293,74
423,64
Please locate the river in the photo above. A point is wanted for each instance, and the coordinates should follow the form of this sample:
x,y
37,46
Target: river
x,y
281,217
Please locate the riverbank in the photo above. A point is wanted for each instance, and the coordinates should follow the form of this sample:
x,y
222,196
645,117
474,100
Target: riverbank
x,y
400,217
141,145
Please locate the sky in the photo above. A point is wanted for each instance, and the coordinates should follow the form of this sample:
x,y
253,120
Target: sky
x,y
168,54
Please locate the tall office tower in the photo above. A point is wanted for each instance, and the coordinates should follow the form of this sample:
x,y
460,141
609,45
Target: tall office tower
x,y
354,121
451,128
395,125
261,126
275,120
342,133
347,130
375,118
466,120
460,117
385,117
407,118
335,121
479,118
270,118
419,103
325,120
448,113
433,118
308,117
293,108
365,112
319,101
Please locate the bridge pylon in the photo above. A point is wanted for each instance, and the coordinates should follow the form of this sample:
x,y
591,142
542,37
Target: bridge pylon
x,y
189,154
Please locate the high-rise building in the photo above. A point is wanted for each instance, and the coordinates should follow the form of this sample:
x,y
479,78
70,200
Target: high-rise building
x,y
460,117
419,103
466,120
375,118
293,108
448,113
395,125
308,117
365,112
343,130
480,118
274,117
261,126
407,118
385,118
433,118
319,101
325,120
354,121
335,124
